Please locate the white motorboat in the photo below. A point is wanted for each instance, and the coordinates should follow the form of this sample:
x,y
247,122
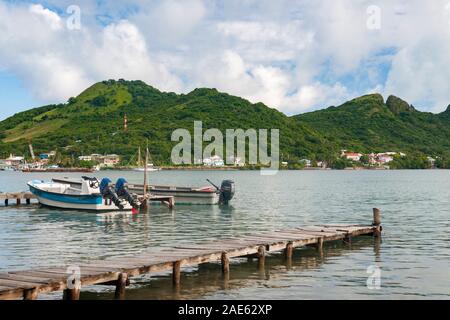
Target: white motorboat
x,y
88,194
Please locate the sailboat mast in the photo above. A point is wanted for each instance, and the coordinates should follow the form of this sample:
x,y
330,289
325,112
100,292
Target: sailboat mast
x,y
139,157
145,173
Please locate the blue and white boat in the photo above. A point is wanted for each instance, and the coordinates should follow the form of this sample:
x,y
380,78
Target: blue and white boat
x,y
90,195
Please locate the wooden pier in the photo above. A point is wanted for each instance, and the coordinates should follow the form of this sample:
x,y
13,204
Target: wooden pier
x,y
28,284
17,196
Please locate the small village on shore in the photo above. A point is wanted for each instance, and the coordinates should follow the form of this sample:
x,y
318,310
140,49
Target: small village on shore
x,y
94,162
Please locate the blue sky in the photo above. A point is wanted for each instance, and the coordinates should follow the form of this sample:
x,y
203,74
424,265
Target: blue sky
x,y
295,56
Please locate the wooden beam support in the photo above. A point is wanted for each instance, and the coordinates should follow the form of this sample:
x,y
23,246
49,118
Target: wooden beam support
x,y
288,252
261,256
176,273
71,294
319,244
30,294
120,286
377,222
225,263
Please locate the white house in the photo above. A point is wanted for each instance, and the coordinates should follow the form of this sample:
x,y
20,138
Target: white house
x,y
352,156
14,160
214,161
85,158
306,162
384,158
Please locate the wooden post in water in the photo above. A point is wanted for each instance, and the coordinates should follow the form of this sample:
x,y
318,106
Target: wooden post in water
x,y
377,222
261,257
120,286
30,294
18,201
6,202
319,244
71,294
28,201
348,240
225,263
288,252
176,273
144,205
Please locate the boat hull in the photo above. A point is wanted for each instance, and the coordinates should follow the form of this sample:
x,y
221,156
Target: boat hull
x,y
94,202
191,198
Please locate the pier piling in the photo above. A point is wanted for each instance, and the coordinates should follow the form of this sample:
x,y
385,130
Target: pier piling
x,y
71,294
176,273
120,286
261,257
377,222
225,263
288,252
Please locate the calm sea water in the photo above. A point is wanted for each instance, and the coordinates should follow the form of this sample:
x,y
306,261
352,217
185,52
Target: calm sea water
x,y
413,256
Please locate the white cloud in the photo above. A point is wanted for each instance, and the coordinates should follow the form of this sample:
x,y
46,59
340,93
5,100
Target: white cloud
x,y
294,56
53,20
56,63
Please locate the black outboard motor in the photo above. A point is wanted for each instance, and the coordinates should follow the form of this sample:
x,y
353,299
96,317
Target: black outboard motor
x,y
226,190
108,192
122,192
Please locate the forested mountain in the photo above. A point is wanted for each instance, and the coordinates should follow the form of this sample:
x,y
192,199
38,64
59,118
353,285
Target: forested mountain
x,y
93,123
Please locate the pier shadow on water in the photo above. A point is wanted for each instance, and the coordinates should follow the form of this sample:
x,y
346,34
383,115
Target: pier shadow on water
x,y
205,279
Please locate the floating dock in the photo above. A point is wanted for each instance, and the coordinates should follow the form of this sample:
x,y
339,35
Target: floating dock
x,y
28,284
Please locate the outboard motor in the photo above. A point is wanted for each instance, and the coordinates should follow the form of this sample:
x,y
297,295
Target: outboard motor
x,y
122,192
108,192
226,190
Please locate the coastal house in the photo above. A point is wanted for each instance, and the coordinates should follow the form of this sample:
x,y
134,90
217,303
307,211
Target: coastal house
x,y
306,162
383,158
321,164
372,158
46,156
109,160
353,156
14,160
236,161
85,158
214,161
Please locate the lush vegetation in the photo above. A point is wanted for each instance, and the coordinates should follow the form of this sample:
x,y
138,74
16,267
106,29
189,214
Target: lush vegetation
x,y
367,124
93,123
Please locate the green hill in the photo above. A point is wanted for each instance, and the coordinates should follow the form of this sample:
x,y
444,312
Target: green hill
x,y
93,123
368,124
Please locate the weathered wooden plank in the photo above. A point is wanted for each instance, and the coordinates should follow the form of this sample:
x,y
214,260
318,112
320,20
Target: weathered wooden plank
x,y
19,284
11,294
17,277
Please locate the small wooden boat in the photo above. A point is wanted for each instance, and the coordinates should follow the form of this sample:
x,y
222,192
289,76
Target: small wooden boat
x,y
88,194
